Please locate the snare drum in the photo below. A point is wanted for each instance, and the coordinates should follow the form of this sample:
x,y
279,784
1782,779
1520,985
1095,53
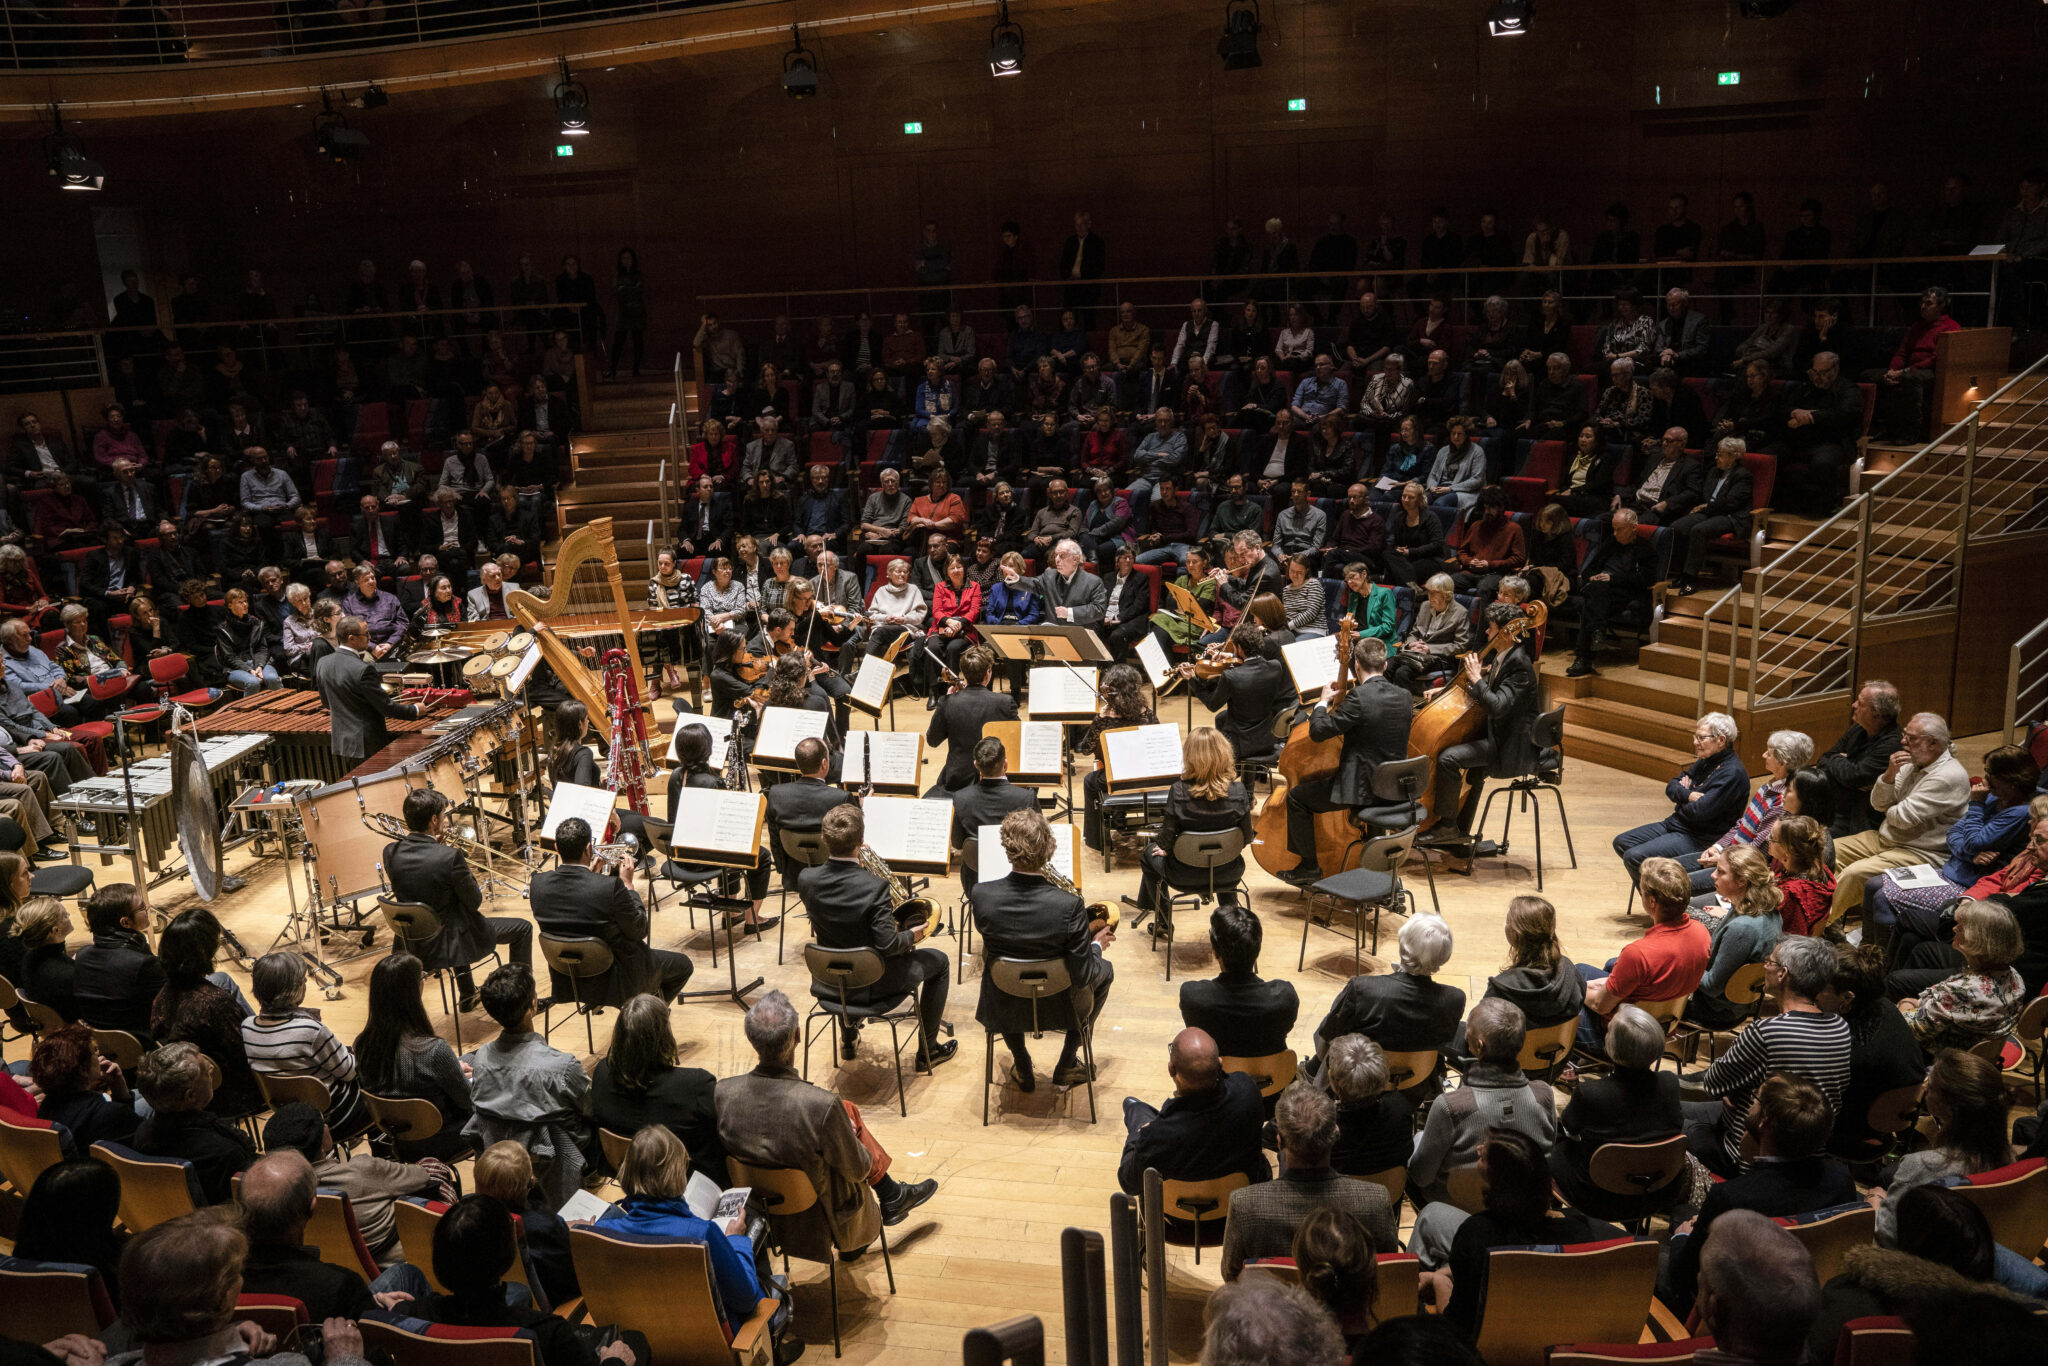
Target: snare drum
x,y
476,675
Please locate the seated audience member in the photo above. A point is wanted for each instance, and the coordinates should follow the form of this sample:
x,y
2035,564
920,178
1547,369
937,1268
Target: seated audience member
x,y
1616,573
1538,978
1264,1322
1663,965
1516,1212
653,1176
177,1081
399,1056
1799,862
1743,924
475,1246
179,1283
1992,829
1208,1128
527,1091
82,1090
1942,1249
1706,798
1635,1103
1920,796
277,1197
48,976
117,978
71,1216
1801,1039
1496,1095
284,1040
1981,1000
638,1083
772,1117
1792,1174
1263,1218
504,1171
1854,763
1883,1054
1405,1011
372,1184
1758,1294
1924,961
1375,1122
1786,753
1336,1259
1246,1015
202,1006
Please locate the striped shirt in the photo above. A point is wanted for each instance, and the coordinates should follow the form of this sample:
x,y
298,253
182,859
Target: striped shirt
x,y
299,1045
1808,1044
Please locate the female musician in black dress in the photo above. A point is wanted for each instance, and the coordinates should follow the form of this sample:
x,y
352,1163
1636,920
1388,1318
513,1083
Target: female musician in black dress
x,y
1120,701
693,769
1207,799
728,689
574,760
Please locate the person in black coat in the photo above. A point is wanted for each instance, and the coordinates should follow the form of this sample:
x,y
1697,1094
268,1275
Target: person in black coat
x,y
1707,797
357,704
576,901
986,800
960,716
177,1081
850,908
1814,426
1617,572
638,1083
376,536
1246,697
277,1197
693,769
1209,1128
1634,1104
1853,763
110,576
513,528
799,804
1246,1015
1510,695
1403,1011
422,869
1022,915
1374,719
1130,595
1208,799
1724,508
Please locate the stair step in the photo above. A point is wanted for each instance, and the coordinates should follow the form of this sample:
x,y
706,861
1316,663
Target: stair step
x,y
1669,729
1796,650
1622,752
1633,686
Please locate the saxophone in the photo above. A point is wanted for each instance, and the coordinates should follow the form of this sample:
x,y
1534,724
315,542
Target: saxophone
x,y
1101,915
910,910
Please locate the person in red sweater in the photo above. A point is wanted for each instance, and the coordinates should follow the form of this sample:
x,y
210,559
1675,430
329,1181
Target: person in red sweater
x,y
1903,386
1492,547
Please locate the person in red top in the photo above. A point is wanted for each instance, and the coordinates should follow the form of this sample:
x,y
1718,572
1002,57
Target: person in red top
x,y
1903,386
716,456
903,351
956,605
1668,961
1492,547
940,509
1104,447
64,520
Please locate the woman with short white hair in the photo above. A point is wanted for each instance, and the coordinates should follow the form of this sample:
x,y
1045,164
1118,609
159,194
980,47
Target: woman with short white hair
x,y
1440,634
1705,797
1785,753
1406,1010
897,609
1635,1103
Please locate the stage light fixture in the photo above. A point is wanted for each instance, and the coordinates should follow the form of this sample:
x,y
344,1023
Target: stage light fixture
x,y
1005,45
572,105
1239,45
333,137
66,157
374,97
1509,18
799,68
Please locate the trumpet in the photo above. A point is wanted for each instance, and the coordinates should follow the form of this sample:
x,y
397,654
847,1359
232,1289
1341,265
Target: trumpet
x,y
1101,915
909,910
612,858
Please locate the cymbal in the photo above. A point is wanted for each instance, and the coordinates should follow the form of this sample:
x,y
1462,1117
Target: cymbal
x,y
495,641
436,656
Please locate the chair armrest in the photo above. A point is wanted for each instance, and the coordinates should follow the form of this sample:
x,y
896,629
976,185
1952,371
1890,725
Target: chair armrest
x,y
751,1343
572,1311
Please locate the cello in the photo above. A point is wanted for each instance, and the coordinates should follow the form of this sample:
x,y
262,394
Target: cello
x,y
1304,760
1452,717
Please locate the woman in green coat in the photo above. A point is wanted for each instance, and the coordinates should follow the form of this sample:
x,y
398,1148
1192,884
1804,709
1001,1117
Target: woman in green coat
x,y
1370,607
1175,629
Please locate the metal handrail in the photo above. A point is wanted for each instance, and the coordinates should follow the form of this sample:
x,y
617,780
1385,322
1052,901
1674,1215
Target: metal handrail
x,y
2026,674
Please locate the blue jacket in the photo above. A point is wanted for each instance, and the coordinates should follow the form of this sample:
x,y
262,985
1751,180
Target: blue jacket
x,y
1723,784
733,1280
1984,826
1003,600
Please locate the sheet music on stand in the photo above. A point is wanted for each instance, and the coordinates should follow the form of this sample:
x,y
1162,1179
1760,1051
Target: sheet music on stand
x,y
889,759
782,728
1153,656
993,862
871,684
718,828
527,662
591,804
911,835
1311,663
1040,752
721,735
1063,692
1141,756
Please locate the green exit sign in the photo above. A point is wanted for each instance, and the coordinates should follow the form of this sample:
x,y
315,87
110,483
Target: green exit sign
x,y
913,129
565,149
1297,106
1728,78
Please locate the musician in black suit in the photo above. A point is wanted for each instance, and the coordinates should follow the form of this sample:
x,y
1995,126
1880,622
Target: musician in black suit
x,y
960,716
1247,696
356,703
426,871
1247,1016
693,769
850,908
1510,695
577,901
986,800
1373,718
1024,916
1724,507
1208,799
800,804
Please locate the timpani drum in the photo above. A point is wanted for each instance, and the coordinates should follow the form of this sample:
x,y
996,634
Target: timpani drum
x,y
348,851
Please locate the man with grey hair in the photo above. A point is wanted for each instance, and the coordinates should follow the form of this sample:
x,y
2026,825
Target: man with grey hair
x,y
1706,798
1801,1039
1814,426
1496,1095
772,1117
1403,1011
1073,596
1617,573
1266,1323
1681,334
355,699
1725,508
1921,794
1263,1218
1852,764
1758,1293
1209,1127
1375,1120
276,1197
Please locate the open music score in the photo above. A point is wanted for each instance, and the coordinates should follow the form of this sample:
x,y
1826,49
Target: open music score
x,y
782,729
718,828
993,862
1152,655
1063,692
871,684
721,736
1141,756
911,835
1311,663
592,804
889,759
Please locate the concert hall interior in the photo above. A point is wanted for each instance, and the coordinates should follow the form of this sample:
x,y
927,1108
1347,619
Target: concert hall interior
x,y
676,677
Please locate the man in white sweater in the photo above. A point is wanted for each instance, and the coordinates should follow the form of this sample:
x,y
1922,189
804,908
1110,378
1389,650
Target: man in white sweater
x,y
1922,792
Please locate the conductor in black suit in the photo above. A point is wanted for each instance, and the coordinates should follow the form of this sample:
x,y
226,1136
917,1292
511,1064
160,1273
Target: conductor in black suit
x,y
960,716
1246,697
1024,916
986,800
577,901
426,871
850,909
356,703
1373,718
801,803
1509,694
1247,1016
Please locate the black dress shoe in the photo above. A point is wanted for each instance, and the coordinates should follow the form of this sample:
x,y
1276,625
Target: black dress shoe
x,y
942,1052
787,1350
1581,668
1073,1074
1307,875
467,1004
909,1197
1021,1074
762,926
43,856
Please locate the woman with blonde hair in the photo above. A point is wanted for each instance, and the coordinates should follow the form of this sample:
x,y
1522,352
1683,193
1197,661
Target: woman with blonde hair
x,y
504,1171
1207,800
654,1175
1741,916
15,878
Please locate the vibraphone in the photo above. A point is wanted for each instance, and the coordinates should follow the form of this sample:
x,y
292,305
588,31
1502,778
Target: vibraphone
x,y
97,808
302,727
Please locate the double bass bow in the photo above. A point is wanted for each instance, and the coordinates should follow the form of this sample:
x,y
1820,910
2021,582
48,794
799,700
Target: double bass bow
x,y
1304,760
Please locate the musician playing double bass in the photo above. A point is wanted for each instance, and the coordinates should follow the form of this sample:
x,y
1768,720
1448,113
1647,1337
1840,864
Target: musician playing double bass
x,y
850,908
1373,717
1509,693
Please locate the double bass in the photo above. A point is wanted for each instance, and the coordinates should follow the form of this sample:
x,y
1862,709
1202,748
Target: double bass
x,y
1304,760
1452,717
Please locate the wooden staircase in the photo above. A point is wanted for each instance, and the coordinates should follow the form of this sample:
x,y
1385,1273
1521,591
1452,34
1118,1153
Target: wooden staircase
x,y
618,460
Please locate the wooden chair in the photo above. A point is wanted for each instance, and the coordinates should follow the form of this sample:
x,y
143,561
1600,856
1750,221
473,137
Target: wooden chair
x,y
578,958
414,1342
2014,1200
1204,1204
335,1235
1629,1353
28,1148
1669,1014
1394,1181
282,1088
1745,988
1596,1292
43,1301
834,973
1636,1170
1274,1073
121,1048
278,1315
1463,1188
1400,1279
1876,1341
1038,981
1408,1070
10,1001
416,1221
615,1148
1829,1234
405,1119
799,1225
1207,850
1544,1050
662,1286
2030,1030
154,1190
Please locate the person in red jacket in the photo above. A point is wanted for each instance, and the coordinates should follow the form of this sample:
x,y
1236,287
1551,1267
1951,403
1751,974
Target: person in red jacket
x,y
1903,386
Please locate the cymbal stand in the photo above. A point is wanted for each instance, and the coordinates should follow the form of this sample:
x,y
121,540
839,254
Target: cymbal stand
x,y
302,927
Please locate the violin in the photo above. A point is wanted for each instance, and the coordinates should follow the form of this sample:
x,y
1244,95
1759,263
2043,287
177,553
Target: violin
x,y
1214,660
748,667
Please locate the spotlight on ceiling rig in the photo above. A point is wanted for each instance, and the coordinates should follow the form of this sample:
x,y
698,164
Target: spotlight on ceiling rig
x,y
331,134
1005,46
1509,18
572,105
65,154
1239,45
799,68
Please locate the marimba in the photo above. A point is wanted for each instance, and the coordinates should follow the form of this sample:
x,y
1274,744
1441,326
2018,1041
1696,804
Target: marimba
x,y
304,730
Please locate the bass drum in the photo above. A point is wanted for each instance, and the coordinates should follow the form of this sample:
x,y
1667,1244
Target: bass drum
x,y
198,817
